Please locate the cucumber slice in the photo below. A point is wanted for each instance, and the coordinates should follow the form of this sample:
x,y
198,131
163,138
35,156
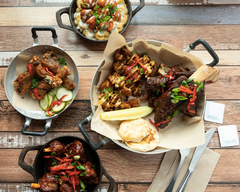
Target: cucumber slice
x,y
50,99
54,91
44,102
58,108
63,91
51,112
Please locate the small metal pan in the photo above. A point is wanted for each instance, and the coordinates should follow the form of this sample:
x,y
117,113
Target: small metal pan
x,y
72,9
39,167
96,80
25,56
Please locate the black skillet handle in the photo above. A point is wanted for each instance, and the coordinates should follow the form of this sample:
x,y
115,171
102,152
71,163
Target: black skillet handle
x,y
111,180
59,19
22,164
36,133
86,136
208,48
43,28
138,8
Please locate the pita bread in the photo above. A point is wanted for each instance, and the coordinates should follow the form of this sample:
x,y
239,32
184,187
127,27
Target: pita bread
x,y
134,130
149,143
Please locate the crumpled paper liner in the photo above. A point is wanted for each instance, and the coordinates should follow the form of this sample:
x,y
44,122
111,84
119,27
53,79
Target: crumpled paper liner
x,y
199,178
182,132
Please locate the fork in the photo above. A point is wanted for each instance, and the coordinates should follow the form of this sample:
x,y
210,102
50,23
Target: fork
x,y
183,153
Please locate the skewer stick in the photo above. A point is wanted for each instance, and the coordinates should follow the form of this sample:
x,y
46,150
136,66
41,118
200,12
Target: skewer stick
x,y
35,185
47,149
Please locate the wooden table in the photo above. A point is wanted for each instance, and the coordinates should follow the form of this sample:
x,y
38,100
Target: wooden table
x,y
177,22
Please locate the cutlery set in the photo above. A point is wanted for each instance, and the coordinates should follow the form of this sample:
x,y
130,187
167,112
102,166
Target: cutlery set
x,y
196,156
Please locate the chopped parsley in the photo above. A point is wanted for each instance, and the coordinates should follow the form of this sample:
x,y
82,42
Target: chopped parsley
x,y
34,82
62,61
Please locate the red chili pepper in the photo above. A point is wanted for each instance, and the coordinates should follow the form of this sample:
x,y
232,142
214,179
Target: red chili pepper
x,y
64,178
162,90
130,67
48,71
153,124
192,100
36,94
170,74
72,178
74,173
156,125
127,77
185,90
58,172
141,63
29,66
57,102
59,159
61,167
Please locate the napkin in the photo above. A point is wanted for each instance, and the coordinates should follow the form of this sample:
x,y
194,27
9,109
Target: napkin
x,y
200,176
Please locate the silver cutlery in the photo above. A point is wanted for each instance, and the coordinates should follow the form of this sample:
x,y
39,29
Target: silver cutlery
x,y
196,156
183,154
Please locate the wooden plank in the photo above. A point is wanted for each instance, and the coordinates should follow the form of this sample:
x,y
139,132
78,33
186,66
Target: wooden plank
x,y
157,2
116,163
219,37
93,58
17,140
210,188
163,15
81,58
24,187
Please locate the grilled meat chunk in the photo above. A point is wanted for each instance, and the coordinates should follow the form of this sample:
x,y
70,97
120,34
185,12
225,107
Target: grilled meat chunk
x,y
76,148
163,105
91,176
48,183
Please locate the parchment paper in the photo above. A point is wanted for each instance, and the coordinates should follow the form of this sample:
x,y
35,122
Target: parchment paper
x,y
182,131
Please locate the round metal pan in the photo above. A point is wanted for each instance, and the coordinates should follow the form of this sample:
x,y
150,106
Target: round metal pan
x,y
25,56
96,80
72,9
39,167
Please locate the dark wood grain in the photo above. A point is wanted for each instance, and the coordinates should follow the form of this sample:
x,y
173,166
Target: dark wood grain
x,y
219,37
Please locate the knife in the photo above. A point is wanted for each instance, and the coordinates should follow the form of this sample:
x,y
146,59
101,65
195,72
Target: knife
x,y
196,156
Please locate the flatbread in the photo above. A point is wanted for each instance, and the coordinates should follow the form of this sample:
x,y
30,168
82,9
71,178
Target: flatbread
x,y
134,130
149,143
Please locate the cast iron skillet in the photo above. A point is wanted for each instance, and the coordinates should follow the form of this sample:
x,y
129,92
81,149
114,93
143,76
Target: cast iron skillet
x,y
22,58
39,167
72,9
96,80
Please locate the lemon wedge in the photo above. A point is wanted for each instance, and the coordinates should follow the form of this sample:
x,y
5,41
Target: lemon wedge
x,y
126,114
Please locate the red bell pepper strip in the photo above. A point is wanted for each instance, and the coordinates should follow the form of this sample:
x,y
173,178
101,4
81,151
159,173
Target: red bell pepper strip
x,y
59,159
185,90
72,178
36,94
192,100
130,67
170,74
61,167
127,77
57,102
156,125
64,178
58,172
137,58
29,66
